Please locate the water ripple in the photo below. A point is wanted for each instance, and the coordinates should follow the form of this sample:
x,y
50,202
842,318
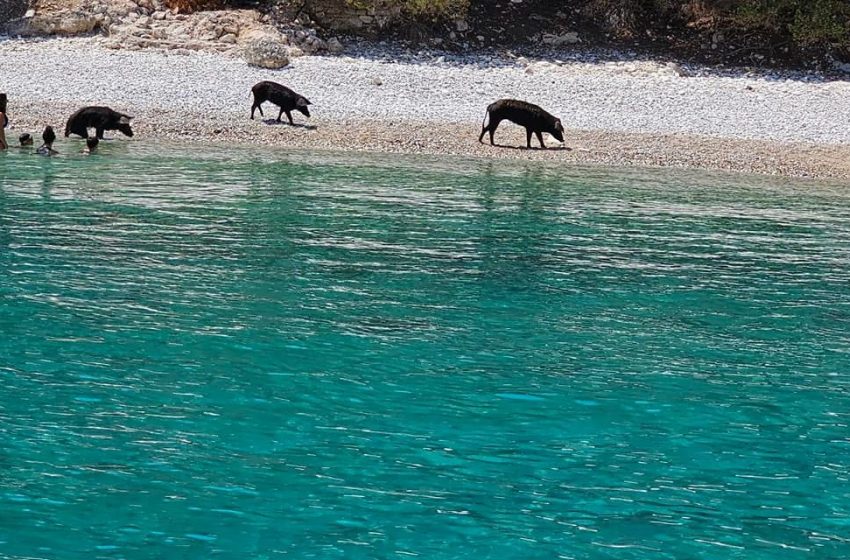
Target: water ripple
x,y
262,354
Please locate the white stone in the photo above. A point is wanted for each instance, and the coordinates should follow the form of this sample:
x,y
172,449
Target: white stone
x,y
570,38
676,69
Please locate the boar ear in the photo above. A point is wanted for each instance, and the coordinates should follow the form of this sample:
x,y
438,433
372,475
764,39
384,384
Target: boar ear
x,y
302,102
558,125
125,119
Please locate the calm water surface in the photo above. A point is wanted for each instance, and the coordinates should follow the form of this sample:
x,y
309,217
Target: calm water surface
x,y
261,355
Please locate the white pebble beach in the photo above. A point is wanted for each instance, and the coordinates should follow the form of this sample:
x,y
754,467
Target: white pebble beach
x,y
616,113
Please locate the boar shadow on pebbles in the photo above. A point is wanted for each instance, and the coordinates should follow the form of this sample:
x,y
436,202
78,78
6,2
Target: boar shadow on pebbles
x,y
535,120
281,96
100,119
275,122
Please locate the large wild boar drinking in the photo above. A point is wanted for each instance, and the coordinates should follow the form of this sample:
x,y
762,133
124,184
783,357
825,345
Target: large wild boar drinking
x,y
100,119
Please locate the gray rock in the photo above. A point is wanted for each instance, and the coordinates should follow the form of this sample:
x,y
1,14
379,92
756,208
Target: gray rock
x,y
228,38
266,52
676,69
570,38
61,23
334,45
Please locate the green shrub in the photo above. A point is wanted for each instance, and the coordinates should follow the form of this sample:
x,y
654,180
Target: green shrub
x,y
806,22
822,22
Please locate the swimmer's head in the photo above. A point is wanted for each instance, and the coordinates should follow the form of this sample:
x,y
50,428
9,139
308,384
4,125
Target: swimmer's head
x,y
25,139
48,136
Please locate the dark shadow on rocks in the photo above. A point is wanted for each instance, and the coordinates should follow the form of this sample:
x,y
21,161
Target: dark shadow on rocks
x,y
533,148
275,122
12,9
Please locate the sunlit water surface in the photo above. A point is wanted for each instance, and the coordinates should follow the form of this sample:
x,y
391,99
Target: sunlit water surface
x,y
249,355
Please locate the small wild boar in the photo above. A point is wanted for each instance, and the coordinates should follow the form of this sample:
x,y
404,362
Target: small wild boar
x,y
533,118
99,118
281,96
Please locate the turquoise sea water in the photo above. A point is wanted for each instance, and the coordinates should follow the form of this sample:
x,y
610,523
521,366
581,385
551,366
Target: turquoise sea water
x,y
258,355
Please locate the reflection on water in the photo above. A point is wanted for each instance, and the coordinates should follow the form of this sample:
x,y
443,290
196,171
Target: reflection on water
x,y
259,354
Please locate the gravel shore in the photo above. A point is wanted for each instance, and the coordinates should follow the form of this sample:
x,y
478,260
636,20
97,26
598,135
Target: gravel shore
x,y
616,113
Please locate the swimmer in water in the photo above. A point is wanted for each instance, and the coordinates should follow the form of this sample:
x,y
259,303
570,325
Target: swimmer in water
x,y
25,139
91,145
49,138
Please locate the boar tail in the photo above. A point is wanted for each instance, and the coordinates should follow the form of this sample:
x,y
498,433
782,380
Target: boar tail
x,y
486,122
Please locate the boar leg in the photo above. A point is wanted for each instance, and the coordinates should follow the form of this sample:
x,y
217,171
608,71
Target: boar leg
x,y
540,138
256,106
99,133
528,133
493,126
289,116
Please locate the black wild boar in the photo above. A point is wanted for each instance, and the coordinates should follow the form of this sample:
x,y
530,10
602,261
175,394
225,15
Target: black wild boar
x,y
533,118
99,118
281,96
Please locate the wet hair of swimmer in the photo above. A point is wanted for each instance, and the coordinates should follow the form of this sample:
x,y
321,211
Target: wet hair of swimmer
x,y
48,136
25,139
91,143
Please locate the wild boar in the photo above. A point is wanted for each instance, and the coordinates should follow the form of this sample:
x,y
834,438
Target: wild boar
x,y
99,118
533,118
281,96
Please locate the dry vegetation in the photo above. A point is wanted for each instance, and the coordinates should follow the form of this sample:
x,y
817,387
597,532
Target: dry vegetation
x,y
778,28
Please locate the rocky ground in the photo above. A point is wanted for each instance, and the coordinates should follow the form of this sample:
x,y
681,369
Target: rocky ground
x,y
148,24
616,113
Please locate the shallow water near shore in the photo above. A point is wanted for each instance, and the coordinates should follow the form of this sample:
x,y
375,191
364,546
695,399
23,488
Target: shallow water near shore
x,y
260,354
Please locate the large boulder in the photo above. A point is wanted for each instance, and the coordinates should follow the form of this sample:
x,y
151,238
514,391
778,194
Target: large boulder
x,y
58,23
267,51
66,23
